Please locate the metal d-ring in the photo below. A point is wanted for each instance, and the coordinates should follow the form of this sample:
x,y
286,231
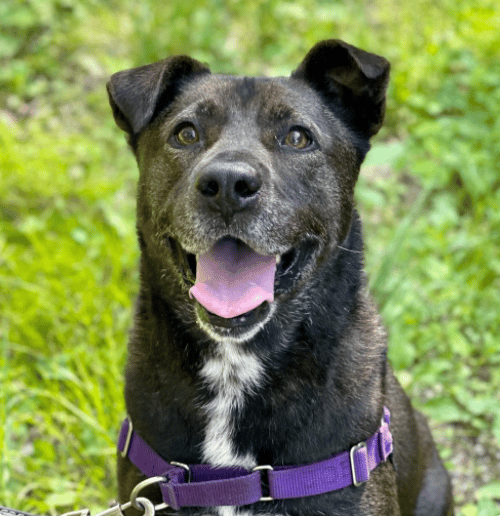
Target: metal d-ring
x,y
184,466
138,503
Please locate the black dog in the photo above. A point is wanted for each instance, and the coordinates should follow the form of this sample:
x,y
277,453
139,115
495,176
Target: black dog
x,y
255,340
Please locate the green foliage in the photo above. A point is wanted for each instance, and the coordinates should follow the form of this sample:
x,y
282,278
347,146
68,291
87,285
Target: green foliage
x,y
429,194
67,278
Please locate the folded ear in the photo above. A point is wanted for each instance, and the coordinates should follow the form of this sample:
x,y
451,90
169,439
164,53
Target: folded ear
x,y
349,78
138,94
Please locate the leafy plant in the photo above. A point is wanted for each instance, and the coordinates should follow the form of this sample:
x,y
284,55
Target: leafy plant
x,y
429,194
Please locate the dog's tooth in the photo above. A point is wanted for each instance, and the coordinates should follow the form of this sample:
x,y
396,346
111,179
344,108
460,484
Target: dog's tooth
x,y
278,259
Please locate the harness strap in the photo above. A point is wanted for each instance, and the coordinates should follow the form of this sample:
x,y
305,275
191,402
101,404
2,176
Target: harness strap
x,y
201,485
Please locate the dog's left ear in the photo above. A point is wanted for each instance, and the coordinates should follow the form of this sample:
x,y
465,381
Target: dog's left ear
x,y
353,80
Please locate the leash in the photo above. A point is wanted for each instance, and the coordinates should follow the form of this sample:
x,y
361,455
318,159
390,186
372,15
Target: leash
x,y
201,485
143,504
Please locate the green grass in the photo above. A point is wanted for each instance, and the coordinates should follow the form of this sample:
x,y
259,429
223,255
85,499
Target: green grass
x,y
429,195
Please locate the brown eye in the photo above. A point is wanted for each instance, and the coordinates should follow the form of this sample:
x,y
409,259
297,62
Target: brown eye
x,y
298,139
187,135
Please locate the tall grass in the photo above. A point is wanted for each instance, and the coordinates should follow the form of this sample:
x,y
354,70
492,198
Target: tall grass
x,y
429,196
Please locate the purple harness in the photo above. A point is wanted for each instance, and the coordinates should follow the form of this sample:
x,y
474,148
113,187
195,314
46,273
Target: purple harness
x,y
201,485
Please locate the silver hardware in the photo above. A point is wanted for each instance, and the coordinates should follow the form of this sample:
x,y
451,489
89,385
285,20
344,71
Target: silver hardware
x,y
5,511
80,512
161,507
144,504
141,503
115,510
182,465
124,452
353,450
260,468
135,501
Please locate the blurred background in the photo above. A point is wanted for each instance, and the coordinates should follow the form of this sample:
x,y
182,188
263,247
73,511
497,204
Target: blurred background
x,y
429,195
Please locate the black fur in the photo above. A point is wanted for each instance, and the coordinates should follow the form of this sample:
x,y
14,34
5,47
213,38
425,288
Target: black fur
x,y
322,347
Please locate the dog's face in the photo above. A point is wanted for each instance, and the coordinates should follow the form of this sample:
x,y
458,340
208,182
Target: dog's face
x,y
246,184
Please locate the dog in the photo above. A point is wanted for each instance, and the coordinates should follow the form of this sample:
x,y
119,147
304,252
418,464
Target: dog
x,y
255,342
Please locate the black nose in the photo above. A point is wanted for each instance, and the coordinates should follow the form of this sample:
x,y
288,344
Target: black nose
x,y
229,187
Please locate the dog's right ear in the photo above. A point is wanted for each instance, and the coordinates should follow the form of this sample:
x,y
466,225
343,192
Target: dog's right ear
x,y
137,95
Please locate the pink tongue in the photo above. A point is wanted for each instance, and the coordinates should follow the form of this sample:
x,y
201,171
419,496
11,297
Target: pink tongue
x,y
231,279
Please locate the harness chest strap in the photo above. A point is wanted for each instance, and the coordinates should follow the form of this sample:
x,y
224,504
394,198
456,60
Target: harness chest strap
x,y
201,485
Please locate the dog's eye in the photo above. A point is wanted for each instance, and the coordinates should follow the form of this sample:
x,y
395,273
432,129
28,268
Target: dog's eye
x,y
187,135
298,138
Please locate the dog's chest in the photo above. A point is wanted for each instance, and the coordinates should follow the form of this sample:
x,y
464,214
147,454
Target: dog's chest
x,y
231,375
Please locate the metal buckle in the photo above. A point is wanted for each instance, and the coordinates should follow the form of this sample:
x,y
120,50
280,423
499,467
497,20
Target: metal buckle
x,y
353,450
260,468
182,465
130,430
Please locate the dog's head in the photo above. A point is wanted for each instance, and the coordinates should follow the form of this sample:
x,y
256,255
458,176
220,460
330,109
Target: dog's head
x,y
246,184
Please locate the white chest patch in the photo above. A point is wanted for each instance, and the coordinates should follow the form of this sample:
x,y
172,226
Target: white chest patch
x,y
230,374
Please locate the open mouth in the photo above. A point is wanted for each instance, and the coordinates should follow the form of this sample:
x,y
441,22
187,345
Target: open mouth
x,y
246,320
234,285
